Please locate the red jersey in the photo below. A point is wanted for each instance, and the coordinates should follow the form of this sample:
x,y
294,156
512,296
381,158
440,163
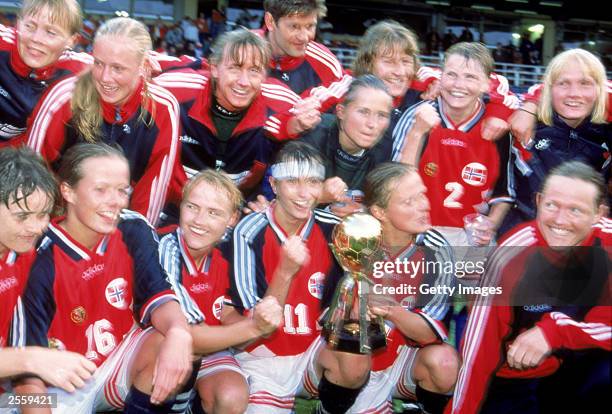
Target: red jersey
x,y
432,248
85,300
146,130
257,247
460,169
491,328
201,290
13,277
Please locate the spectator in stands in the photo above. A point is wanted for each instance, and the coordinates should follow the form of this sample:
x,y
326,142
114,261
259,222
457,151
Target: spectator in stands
x,y
466,35
571,125
116,103
190,30
217,23
174,36
33,56
449,39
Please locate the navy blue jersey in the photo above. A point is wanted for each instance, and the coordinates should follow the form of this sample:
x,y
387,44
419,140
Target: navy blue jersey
x,y
551,146
86,300
21,86
251,146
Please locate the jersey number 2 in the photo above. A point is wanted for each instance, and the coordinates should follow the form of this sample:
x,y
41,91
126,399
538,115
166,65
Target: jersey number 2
x,y
457,191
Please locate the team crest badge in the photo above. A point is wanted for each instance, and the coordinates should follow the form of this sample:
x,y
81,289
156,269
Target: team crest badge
x,y
116,293
431,169
474,174
285,77
78,315
315,284
217,307
55,343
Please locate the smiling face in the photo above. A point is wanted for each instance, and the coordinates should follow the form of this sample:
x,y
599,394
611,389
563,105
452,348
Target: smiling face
x,y
93,204
290,35
41,42
567,211
462,83
364,120
206,212
24,222
117,68
574,93
396,69
238,83
295,199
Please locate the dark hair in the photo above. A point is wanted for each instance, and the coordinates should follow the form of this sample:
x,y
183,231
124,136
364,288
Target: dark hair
x,y
379,182
579,171
299,152
282,8
364,81
22,172
70,171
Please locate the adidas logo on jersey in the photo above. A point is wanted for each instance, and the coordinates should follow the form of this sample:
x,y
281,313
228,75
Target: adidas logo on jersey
x,y
453,142
200,288
187,139
92,271
8,283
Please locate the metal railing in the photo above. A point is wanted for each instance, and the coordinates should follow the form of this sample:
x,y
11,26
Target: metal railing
x,y
519,76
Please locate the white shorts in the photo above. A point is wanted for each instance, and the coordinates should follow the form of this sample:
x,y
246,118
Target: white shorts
x,y
108,388
275,381
395,381
219,361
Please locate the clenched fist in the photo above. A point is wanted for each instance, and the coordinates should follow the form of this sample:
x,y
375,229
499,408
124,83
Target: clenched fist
x,y
268,315
294,254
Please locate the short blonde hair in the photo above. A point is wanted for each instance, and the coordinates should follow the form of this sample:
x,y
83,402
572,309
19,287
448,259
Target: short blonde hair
x,y
65,13
591,66
221,182
384,38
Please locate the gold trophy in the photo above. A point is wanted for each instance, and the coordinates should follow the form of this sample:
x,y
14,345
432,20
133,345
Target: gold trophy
x,y
356,244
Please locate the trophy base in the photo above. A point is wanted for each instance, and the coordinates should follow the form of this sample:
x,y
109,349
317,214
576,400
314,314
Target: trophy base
x,y
348,338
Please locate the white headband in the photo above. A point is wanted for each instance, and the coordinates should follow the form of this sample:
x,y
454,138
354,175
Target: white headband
x,y
295,169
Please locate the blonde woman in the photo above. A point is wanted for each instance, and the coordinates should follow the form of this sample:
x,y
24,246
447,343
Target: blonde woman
x,y
571,126
116,104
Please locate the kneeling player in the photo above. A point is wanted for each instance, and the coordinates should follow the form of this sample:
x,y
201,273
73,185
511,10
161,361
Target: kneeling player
x,y
416,364
283,252
96,269
199,274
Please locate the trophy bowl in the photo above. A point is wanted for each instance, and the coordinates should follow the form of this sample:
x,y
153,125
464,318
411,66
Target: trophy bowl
x,y
356,243
355,240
